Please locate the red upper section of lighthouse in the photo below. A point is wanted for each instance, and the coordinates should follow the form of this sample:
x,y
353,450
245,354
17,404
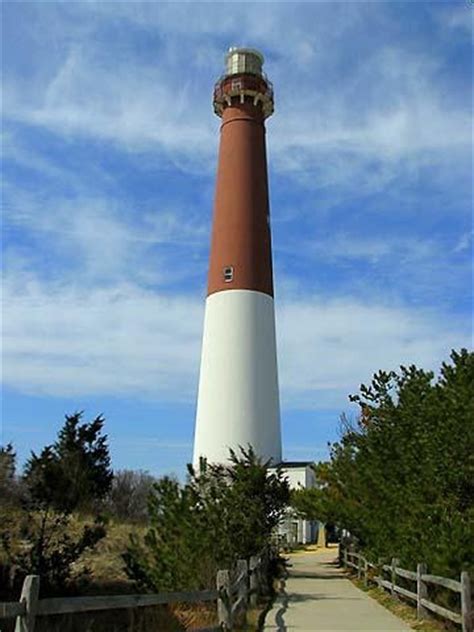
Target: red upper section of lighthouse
x,y
241,256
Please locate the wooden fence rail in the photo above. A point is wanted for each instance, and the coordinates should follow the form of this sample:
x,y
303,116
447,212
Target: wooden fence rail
x,y
421,579
233,597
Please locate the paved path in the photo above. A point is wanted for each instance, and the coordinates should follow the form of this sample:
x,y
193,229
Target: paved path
x,y
317,596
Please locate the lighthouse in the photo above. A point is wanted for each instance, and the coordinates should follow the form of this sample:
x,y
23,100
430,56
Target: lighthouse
x,y
238,398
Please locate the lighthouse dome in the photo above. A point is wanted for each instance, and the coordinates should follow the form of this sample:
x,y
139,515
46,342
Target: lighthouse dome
x,y
243,60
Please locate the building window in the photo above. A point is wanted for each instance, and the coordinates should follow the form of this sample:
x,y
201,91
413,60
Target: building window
x,y
229,274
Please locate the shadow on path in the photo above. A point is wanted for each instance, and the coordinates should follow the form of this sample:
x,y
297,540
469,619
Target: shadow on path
x,y
298,597
279,620
280,595
308,575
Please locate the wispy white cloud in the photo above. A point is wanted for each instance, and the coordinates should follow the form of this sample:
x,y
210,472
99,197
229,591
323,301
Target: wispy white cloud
x,y
459,17
464,243
391,108
127,341
341,246
96,326
390,121
139,108
101,239
121,340
328,347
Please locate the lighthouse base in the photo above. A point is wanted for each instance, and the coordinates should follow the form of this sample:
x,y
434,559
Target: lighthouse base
x,y
238,403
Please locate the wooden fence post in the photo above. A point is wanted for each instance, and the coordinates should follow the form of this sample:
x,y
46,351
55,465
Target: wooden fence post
x,y
29,594
223,600
466,605
254,583
359,566
366,570
421,591
243,569
345,557
379,572
395,562
263,571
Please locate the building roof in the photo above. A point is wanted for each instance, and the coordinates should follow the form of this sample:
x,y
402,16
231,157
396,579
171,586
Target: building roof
x,y
294,464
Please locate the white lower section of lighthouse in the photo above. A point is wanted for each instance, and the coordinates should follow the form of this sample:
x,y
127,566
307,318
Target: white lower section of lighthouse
x,y
238,402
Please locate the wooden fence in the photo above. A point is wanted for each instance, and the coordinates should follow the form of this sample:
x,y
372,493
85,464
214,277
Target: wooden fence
x,y
235,592
375,573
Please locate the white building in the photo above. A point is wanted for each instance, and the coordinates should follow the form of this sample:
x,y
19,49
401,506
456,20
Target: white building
x,y
294,530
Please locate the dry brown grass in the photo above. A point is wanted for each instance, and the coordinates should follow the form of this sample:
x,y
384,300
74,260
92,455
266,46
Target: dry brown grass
x,y
192,616
107,576
401,609
155,619
105,563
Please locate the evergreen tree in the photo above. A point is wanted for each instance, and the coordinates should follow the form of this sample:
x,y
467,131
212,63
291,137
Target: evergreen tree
x,y
7,467
74,472
9,488
401,479
221,514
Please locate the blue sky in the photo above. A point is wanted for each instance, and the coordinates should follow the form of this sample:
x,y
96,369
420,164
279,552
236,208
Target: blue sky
x,y
110,149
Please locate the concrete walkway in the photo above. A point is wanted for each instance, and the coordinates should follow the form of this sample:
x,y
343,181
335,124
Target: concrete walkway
x,y
317,596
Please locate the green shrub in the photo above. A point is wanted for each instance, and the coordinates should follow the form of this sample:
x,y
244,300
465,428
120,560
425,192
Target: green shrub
x,y
401,479
221,514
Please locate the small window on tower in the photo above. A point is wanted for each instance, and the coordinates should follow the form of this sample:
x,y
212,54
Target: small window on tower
x,y
229,274
236,85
